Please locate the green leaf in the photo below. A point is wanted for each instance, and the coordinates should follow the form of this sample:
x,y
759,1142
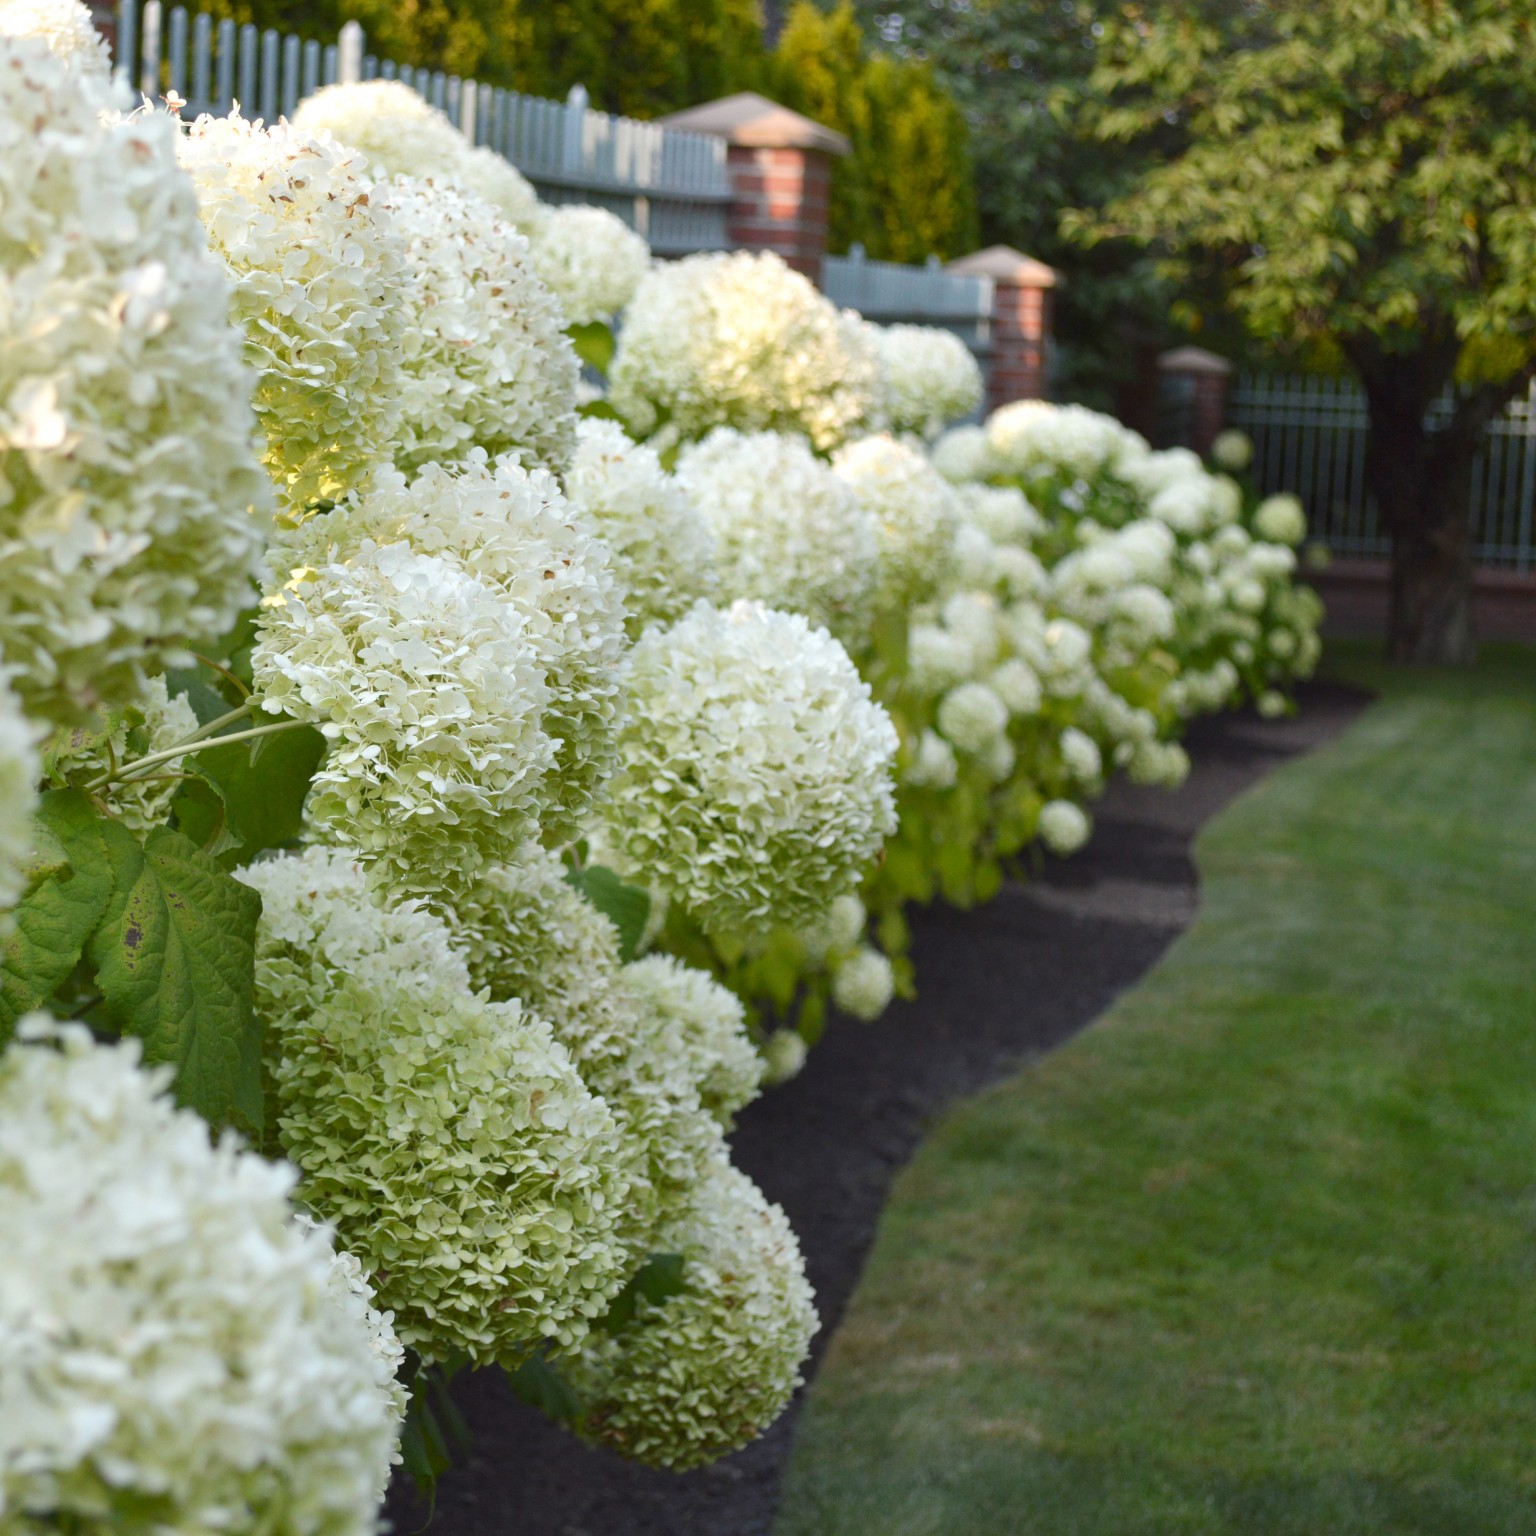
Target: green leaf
x,y
537,1383
175,964
594,345
627,907
71,884
198,683
660,1277
252,796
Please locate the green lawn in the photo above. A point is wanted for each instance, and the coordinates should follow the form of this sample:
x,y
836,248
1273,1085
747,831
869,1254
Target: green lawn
x,y
1256,1253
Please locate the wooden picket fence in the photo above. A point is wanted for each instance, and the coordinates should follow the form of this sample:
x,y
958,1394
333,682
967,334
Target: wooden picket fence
x,y
889,293
1309,437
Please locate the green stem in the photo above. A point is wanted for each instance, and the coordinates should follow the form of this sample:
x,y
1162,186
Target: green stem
x,y
136,768
221,722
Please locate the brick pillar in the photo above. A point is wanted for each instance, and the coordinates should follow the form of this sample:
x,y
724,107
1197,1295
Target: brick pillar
x,y
1022,306
780,166
1202,379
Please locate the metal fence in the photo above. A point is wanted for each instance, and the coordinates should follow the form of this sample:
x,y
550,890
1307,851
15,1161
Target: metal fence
x,y
670,185
1309,437
890,294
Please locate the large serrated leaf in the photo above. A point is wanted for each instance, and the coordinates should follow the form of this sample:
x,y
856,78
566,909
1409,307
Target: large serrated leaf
x,y
175,965
71,884
627,907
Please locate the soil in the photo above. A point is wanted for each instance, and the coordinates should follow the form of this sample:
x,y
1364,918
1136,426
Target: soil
x,y
999,985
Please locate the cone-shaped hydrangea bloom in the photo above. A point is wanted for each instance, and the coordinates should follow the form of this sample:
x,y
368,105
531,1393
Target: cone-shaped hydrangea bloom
x,y
661,549
449,1139
515,534
663,1045
316,270
739,340
485,359
127,462
64,25
591,259
19,773
180,1353
787,530
755,777
915,509
928,378
431,697
707,1370
400,132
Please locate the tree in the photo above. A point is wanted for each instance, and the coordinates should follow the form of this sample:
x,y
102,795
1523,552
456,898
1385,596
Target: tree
x,y
1358,175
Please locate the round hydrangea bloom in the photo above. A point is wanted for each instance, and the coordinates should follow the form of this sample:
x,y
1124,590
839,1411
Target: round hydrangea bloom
x,y
707,1370
1081,756
785,1052
127,467
963,454
20,770
516,535
661,550
972,716
591,259
755,777
175,1341
431,697
494,179
1281,519
155,723
934,764
400,132
485,359
1017,684
449,1138
1158,762
739,340
1232,451
839,928
1033,435
915,508
787,530
928,378
315,268
64,26
863,985
1064,826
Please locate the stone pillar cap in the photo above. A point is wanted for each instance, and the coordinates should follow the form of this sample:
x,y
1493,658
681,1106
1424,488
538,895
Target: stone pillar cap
x,y
1003,264
757,123
1192,360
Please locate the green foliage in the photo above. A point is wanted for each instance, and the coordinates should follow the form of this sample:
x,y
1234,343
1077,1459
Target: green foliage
x,y
627,907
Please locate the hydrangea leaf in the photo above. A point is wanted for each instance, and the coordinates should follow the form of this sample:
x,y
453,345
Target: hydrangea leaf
x,y
660,1277
538,1383
175,964
594,345
627,907
70,883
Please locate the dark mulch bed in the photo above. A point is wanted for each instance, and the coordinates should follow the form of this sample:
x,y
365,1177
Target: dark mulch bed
x,y
998,985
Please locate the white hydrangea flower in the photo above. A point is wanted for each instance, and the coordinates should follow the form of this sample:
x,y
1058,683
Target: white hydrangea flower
x,y
1031,435
916,510
787,530
839,928
65,26
431,696
755,778
175,1341
928,378
937,658
316,269
661,548
864,984
400,132
1281,519
450,1139
973,717
128,473
707,1370
1002,512
739,340
515,534
1081,756
964,454
591,260
785,1051
494,179
1158,762
1064,826
1232,451
485,359
934,764
1017,684
1272,704
20,769
154,724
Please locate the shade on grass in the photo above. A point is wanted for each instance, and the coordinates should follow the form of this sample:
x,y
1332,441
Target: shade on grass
x,y
1256,1253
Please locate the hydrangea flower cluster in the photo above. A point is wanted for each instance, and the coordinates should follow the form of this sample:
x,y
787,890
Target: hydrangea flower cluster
x,y
928,378
175,1341
127,466
787,530
1281,519
705,1371
396,128
755,776
659,546
20,769
64,26
743,341
591,259
449,1138
314,265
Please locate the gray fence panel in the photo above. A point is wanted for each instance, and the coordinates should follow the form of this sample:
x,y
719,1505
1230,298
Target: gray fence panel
x,y
892,294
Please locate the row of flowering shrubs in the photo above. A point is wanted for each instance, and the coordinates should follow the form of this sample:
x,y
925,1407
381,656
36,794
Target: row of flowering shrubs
x,y
462,784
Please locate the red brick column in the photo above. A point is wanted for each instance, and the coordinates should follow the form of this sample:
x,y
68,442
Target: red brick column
x,y
1022,305
780,203
1207,379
